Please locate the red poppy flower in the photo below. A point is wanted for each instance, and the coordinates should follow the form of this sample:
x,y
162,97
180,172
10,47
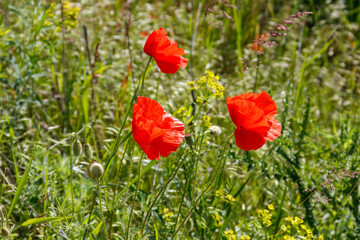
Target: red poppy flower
x,y
156,132
253,114
165,51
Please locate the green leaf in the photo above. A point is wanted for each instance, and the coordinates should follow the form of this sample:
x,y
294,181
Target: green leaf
x,y
21,185
41,220
96,231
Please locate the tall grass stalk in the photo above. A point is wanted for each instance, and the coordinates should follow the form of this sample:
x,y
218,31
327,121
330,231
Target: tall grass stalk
x,y
134,197
160,192
210,182
101,210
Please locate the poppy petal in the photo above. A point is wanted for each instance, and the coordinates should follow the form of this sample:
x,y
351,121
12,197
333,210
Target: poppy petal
x,y
253,115
275,129
265,103
149,109
156,132
165,52
170,64
248,140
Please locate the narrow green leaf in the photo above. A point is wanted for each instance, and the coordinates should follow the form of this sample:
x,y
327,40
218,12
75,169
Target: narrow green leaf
x,y
41,220
21,185
96,231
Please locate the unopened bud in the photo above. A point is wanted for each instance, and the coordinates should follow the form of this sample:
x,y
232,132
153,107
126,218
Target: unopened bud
x,y
77,148
215,130
96,170
189,140
88,151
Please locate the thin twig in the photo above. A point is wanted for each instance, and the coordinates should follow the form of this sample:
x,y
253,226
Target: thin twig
x,y
193,41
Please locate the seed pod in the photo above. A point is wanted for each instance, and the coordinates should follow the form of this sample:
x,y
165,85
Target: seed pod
x,y
77,148
96,170
88,151
215,130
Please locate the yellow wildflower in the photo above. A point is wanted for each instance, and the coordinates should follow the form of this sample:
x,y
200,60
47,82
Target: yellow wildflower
x,y
219,193
283,228
287,237
230,235
217,219
167,214
191,85
265,216
229,198
207,121
271,207
245,237
206,82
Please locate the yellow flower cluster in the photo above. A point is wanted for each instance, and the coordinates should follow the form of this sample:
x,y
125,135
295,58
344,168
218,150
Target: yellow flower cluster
x,y
294,220
266,214
184,114
287,237
206,82
245,237
217,219
230,235
167,214
207,121
71,14
224,196
301,229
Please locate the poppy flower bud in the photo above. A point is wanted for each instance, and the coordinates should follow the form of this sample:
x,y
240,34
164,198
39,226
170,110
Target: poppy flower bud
x,y
96,170
189,140
215,130
88,151
77,148
5,232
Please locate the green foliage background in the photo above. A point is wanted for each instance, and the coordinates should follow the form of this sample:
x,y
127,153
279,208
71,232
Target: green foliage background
x,y
48,91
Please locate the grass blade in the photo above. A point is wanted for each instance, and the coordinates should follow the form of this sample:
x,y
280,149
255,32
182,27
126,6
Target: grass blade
x,y
21,185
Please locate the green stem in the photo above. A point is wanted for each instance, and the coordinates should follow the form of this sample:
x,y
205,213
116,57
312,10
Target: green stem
x,y
71,179
147,168
136,190
143,76
212,178
159,193
102,214
116,145
91,210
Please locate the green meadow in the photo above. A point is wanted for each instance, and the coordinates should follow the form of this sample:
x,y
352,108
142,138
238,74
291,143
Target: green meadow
x,y
75,159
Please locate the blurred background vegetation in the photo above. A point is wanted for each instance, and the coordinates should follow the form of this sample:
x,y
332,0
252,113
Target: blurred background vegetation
x,y
66,65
